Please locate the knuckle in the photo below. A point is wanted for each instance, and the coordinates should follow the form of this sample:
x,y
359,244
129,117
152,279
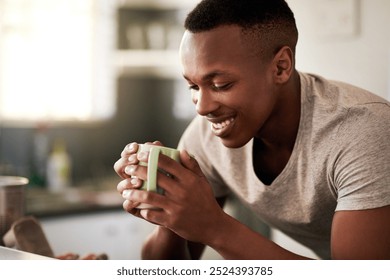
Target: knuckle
x,y
119,188
122,185
175,220
117,165
132,159
135,182
147,196
129,148
131,169
147,214
125,205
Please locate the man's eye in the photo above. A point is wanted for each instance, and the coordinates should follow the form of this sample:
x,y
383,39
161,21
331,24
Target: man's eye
x,y
220,87
193,87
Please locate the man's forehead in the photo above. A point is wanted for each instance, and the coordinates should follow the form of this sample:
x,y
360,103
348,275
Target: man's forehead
x,y
209,76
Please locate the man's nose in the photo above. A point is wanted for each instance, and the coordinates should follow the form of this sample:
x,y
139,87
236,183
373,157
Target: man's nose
x,y
204,102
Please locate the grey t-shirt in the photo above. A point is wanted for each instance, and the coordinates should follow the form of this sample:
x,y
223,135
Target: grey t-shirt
x,y
340,161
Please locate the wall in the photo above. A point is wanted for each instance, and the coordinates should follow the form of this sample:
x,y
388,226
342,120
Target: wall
x,y
361,57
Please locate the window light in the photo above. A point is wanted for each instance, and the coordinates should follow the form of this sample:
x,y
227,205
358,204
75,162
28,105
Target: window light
x,y
55,60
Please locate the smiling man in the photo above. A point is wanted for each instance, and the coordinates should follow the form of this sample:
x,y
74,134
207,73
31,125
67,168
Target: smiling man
x,y
308,156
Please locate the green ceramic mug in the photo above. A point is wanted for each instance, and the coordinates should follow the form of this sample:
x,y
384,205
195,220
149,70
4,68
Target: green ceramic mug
x,y
150,184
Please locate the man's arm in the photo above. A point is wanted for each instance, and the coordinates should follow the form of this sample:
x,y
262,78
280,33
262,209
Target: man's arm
x,y
361,234
164,244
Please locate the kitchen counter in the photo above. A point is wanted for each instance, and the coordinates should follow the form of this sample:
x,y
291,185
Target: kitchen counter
x,y
84,198
12,254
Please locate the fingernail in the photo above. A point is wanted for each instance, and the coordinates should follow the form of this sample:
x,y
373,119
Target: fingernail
x,y
132,158
131,147
126,204
126,194
142,156
135,181
130,169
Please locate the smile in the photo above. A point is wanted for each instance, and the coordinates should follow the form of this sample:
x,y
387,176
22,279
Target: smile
x,y
222,128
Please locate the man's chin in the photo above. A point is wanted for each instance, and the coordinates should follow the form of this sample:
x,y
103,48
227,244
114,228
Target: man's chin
x,y
232,143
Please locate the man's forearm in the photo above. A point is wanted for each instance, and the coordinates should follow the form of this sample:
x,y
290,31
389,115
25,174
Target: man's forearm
x,y
237,241
165,244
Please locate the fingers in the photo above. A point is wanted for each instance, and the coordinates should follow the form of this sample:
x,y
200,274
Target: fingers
x,y
153,216
133,147
131,207
173,172
72,256
119,166
68,256
135,197
128,156
157,143
190,163
129,183
133,174
129,149
95,257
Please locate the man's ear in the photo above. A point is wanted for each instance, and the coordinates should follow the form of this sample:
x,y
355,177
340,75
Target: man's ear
x,y
283,64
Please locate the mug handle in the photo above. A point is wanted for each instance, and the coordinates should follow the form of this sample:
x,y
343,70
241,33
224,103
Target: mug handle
x,y
154,154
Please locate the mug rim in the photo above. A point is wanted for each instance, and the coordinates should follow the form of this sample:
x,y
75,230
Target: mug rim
x,y
150,146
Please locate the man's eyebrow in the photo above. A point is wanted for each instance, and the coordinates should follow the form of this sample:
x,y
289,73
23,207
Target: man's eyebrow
x,y
209,76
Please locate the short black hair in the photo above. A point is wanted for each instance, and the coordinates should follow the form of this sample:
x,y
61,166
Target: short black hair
x,y
271,20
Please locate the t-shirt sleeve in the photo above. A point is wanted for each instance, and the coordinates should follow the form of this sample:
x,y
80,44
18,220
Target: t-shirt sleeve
x,y
361,170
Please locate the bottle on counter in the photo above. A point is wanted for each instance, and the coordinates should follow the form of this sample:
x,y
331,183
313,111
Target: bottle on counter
x,y
58,171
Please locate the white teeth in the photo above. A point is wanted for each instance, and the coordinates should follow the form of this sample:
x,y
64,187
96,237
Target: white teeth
x,y
223,124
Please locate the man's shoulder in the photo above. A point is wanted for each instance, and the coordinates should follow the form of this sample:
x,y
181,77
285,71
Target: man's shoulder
x,y
336,92
337,116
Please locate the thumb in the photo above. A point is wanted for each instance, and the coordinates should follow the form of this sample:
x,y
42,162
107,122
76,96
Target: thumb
x,y
189,162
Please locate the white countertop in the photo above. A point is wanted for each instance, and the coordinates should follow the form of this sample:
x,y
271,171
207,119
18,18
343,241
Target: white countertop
x,y
12,254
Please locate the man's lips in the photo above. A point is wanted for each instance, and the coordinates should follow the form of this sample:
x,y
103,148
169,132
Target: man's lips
x,y
221,127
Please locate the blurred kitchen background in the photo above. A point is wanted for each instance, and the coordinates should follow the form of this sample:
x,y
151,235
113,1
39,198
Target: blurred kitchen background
x,y
81,79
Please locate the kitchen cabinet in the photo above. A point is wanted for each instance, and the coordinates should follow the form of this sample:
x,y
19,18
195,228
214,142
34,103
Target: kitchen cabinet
x,y
148,71
116,233
148,36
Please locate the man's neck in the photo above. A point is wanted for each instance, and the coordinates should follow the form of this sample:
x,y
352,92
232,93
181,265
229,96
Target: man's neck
x,y
280,130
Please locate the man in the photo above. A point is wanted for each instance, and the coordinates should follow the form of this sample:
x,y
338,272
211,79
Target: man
x,y
308,156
